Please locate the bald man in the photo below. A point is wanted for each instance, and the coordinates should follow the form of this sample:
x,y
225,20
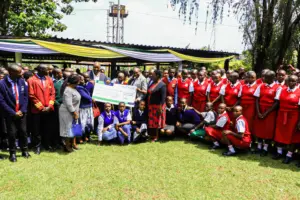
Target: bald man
x,y
120,79
240,137
14,102
97,75
42,96
140,82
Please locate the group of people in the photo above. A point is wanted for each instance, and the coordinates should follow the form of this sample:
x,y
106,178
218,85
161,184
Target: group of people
x,y
231,109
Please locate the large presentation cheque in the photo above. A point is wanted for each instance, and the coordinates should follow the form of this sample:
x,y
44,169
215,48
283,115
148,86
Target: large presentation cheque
x,y
114,93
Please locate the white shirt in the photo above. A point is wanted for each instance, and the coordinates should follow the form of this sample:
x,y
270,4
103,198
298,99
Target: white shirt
x,y
222,121
208,116
223,88
240,126
141,112
168,109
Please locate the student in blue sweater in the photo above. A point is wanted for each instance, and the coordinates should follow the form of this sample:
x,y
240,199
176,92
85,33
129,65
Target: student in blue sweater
x,y
86,110
123,126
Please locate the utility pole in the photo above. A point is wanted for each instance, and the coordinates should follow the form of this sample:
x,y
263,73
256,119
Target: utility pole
x,y
118,23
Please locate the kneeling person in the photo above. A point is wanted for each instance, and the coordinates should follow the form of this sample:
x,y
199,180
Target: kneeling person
x,y
123,126
214,132
106,126
171,119
241,136
209,118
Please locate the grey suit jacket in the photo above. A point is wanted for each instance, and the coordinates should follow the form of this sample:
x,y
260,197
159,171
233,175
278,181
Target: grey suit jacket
x,y
140,83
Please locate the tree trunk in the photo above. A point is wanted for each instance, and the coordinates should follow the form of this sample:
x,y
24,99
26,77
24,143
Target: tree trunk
x,y
259,61
298,57
4,7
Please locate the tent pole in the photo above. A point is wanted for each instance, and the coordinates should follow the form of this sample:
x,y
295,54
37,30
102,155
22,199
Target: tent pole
x,y
18,57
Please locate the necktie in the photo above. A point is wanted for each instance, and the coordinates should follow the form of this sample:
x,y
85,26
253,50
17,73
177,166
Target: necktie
x,y
17,97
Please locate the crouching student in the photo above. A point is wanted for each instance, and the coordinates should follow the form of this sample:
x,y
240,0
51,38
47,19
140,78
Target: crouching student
x,y
209,118
239,138
139,123
171,119
123,126
186,118
214,132
106,125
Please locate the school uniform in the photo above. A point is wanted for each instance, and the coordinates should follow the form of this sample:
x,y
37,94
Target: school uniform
x,y
246,94
213,90
189,119
223,122
171,85
107,120
90,87
282,84
288,114
265,128
199,96
124,117
14,98
141,118
259,81
230,94
184,88
240,126
209,118
42,94
171,118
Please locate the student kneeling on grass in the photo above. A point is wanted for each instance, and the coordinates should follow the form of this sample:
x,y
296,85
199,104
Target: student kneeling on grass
x,y
106,126
139,123
209,118
123,126
240,137
171,118
214,132
187,118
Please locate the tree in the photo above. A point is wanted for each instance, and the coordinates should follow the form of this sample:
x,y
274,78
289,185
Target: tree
x,y
268,26
34,17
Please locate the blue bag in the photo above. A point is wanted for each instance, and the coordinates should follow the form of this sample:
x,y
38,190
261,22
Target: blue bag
x,y
76,130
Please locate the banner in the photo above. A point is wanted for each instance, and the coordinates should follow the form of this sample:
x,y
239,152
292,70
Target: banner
x,y
114,93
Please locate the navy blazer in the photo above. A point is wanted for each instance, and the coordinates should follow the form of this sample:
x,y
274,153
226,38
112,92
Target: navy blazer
x,y
8,100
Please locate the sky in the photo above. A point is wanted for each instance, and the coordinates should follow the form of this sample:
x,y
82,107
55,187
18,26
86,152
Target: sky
x,y
153,22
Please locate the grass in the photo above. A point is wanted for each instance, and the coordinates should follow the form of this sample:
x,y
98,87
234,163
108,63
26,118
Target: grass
x,y
170,170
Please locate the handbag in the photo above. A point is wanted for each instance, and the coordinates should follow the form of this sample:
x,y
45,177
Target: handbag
x,y
76,129
96,110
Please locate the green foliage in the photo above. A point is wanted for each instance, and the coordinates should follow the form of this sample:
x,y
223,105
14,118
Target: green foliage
x,y
168,170
34,17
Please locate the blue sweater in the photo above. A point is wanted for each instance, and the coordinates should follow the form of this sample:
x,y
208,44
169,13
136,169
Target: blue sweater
x,y
86,99
90,87
8,100
188,116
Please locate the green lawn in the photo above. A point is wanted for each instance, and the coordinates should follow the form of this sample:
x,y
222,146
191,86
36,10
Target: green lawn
x,y
169,170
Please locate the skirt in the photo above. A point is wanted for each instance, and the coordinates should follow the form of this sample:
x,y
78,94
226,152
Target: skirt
x,y
86,118
214,133
156,120
249,114
286,126
265,128
199,105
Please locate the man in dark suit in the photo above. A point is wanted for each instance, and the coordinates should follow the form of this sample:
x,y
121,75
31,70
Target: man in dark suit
x,y
14,101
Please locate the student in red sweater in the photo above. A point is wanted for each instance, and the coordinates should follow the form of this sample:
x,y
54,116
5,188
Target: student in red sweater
x,y
214,132
288,120
171,82
199,95
261,80
265,120
184,88
229,93
240,137
213,90
280,78
247,98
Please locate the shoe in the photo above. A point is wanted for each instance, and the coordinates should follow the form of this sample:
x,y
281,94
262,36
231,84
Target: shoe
x,y
278,156
214,147
229,153
38,151
298,164
25,154
13,157
68,146
1,158
287,160
263,153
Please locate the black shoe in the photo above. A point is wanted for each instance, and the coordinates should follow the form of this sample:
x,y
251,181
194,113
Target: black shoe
x,y
1,158
298,164
263,153
287,160
229,153
38,151
13,157
278,156
214,147
25,154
